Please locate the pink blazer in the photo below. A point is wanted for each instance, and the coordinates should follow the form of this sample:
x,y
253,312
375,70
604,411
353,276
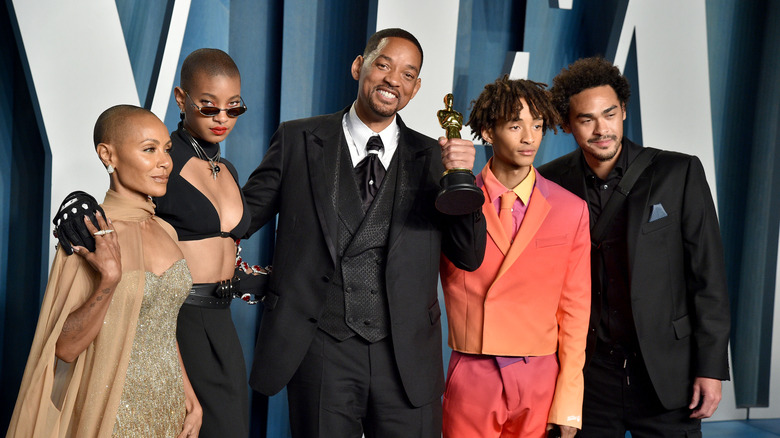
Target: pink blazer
x,y
530,297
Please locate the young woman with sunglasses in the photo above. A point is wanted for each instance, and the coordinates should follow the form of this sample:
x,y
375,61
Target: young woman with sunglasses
x,y
205,206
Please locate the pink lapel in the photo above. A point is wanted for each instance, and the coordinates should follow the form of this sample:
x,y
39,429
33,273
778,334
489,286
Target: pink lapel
x,y
494,228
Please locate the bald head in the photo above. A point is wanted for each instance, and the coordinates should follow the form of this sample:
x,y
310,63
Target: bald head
x,y
210,62
113,123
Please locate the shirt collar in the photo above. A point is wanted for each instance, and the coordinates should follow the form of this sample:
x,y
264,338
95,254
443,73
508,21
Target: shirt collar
x,y
360,133
495,188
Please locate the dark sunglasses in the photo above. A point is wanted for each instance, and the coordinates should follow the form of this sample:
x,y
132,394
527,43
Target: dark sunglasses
x,y
211,111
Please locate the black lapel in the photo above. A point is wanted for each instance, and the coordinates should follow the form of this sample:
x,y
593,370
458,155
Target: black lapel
x,y
573,179
414,160
349,206
322,144
636,206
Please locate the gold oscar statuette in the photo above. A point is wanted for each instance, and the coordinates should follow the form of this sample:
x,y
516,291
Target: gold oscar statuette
x,y
459,194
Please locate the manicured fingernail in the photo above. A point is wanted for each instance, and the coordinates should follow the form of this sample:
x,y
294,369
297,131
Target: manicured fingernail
x,y
75,249
97,213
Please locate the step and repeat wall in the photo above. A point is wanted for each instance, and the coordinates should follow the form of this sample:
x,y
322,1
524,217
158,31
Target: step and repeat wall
x,y
705,81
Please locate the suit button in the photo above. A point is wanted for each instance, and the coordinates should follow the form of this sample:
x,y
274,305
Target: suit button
x,y
348,289
325,278
344,259
313,320
378,261
367,322
350,319
373,292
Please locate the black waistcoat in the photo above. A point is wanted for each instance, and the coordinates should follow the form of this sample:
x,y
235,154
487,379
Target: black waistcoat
x,y
357,304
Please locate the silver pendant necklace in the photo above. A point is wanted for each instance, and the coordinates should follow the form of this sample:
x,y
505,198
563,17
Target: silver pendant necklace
x,y
201,153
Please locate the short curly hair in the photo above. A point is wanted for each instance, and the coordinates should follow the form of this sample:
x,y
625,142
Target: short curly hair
x,y
583,74
500,102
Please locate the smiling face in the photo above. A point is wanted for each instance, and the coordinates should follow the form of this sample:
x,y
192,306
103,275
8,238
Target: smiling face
x,y
387,80
515,143
596,121
140,156
219,91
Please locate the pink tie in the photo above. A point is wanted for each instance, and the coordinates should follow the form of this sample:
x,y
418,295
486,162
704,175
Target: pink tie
x,y
505,215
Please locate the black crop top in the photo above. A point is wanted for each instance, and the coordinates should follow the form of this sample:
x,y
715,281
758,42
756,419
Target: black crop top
x,y
183,206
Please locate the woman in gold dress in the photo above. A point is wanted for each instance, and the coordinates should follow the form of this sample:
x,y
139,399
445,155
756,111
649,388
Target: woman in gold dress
x,y
104,360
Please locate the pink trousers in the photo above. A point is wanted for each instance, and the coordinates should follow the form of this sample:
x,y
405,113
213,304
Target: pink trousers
x,y
483,400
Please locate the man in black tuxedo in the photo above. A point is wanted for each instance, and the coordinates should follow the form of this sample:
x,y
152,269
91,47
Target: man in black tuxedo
x,y
351,321
659,327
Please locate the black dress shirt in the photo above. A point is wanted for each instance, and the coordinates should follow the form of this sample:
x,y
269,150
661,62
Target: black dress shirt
x,y
610,260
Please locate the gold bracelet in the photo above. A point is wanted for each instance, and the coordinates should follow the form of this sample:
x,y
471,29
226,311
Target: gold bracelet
x,y
456,169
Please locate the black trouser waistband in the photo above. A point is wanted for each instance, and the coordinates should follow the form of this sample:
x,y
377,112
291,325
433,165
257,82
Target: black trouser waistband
x,y
211,295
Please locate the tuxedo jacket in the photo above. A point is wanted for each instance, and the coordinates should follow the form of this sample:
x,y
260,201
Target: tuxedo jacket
x,y
297,180
531,296
677,278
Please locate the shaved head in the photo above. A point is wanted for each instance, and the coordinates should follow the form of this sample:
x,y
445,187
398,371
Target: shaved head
x,y
210,62
114,122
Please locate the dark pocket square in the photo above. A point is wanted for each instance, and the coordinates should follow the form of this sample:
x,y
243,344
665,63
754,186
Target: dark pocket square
x,y
658,212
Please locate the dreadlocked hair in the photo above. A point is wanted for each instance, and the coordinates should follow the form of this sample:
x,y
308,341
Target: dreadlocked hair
x,y
500,102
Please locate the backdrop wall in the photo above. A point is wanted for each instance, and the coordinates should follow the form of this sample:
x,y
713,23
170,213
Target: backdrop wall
x,y
705,80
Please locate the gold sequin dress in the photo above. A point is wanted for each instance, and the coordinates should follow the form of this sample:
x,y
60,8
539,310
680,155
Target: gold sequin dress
x,y
152,403
83,398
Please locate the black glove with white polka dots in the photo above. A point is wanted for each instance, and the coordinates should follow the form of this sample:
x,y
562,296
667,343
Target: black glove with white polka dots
x,y
69,225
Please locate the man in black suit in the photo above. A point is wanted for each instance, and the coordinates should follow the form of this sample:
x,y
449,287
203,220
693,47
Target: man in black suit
x,y
351,321
659,327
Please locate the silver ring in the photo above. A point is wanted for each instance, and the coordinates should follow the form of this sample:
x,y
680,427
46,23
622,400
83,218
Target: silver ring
x,y
102,232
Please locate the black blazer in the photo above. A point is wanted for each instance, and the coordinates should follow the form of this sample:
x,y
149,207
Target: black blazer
x,y
678,286
296,179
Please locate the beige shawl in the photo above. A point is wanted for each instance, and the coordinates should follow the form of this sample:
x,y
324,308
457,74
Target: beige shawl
x,y
80,399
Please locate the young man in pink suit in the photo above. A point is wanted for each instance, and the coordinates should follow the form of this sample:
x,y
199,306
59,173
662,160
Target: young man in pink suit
x,y
518,324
